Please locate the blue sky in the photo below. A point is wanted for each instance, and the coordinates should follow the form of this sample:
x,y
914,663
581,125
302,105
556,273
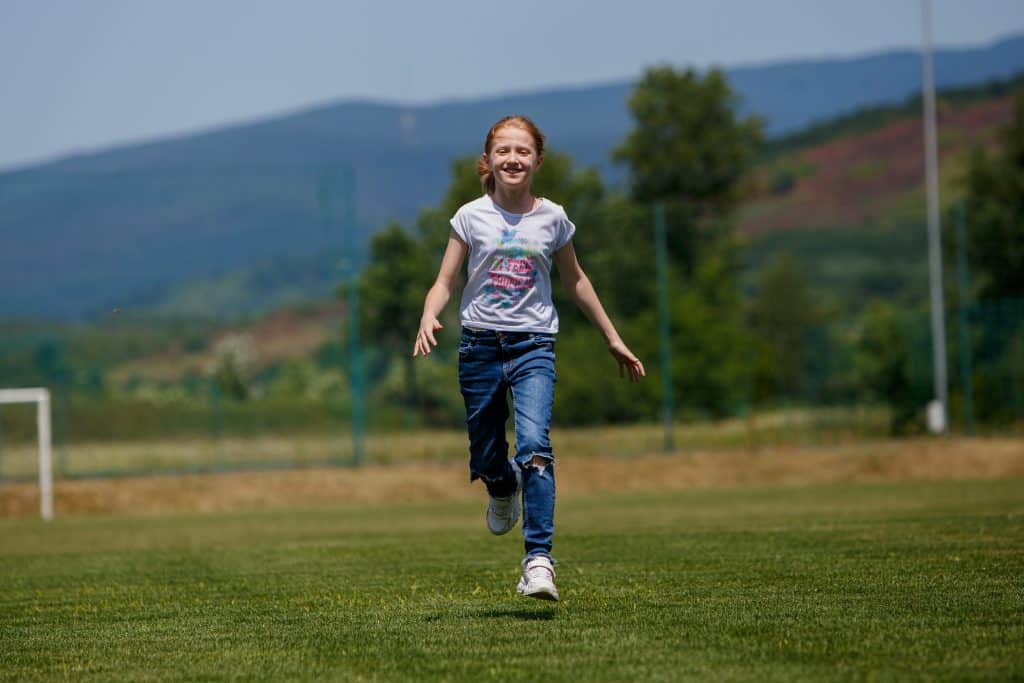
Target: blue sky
x,y
80,75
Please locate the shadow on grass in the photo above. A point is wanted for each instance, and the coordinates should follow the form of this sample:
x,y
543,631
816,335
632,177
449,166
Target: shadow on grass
x,y
522,613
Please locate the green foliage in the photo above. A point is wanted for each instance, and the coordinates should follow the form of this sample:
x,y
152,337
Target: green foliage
x,y
438,401
780,316
589,390
842,266
391,291
687,144
392,287
614,244
995,212
886,352
711,348
782,181
996,330
233,366
689,151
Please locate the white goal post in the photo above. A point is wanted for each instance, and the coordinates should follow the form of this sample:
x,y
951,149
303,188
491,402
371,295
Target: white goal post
x,y
41,397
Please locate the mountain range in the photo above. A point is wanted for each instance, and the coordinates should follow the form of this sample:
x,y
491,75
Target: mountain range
x,y
131,225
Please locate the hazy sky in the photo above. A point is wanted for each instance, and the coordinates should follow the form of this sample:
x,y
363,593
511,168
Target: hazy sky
x,y
82,74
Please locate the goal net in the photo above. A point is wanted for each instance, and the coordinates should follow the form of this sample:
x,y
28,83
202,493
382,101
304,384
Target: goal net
x,y
41,397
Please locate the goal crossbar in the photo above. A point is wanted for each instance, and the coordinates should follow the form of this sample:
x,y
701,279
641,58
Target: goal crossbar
x,y
41,397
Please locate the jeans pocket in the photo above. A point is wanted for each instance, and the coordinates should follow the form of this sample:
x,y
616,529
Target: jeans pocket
x,y
465,346
540,339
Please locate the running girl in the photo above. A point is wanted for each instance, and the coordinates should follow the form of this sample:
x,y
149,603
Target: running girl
x,y
508,336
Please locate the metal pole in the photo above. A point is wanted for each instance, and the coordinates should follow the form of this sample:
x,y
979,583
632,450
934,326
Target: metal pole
x,y
663,324
965,327
351,277
45,457
934,239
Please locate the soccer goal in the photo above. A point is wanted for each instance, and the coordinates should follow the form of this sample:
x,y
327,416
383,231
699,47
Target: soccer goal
x,y
41,397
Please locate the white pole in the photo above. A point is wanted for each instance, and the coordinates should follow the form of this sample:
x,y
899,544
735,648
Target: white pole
x,y
41,397
934,235
45,460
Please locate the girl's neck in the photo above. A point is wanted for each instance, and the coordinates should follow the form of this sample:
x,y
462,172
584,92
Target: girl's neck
x,y
514,201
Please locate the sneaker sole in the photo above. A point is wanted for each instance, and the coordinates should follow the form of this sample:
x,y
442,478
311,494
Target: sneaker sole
x,y
544,593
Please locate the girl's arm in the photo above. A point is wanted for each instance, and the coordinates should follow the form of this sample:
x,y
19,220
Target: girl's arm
x,y
439,294
582,292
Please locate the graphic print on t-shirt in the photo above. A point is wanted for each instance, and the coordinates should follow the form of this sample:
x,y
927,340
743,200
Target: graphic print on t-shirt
x,y
512,272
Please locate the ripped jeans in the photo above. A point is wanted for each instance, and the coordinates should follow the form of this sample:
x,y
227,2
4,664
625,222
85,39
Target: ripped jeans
x,y
491,364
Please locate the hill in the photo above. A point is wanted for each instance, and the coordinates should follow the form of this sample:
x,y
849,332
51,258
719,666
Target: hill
x,y
870,177
126,226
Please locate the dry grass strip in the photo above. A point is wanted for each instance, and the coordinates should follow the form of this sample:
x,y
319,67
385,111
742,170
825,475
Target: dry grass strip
x,y
919,459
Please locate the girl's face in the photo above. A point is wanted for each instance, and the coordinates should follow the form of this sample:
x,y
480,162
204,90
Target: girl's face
x,y
513,158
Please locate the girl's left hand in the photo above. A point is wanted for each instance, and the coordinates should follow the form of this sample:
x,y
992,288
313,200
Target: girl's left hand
x,y
627,361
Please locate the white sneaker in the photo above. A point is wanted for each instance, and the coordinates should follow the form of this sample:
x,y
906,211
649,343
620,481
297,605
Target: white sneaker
x,y
538,580
502,514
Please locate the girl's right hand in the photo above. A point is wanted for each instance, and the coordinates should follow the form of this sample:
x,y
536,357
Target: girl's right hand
x,y
425,337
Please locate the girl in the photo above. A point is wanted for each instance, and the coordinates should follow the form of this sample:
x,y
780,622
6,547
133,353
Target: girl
x,y
508,335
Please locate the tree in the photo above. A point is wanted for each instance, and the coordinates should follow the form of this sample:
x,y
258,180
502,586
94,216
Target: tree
x,y
690,151
391,291
688,144
995,212
884,351
780,316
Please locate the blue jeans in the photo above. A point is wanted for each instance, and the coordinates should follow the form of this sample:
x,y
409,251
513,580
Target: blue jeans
x,y
491,364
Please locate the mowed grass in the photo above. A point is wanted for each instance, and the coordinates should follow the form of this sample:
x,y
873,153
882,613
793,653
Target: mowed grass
x,y
896,581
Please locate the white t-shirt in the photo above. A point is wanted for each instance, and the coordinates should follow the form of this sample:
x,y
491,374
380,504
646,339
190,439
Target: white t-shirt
x,y
509,286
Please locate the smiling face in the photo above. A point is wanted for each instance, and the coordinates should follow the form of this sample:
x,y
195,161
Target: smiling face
x,y
513,158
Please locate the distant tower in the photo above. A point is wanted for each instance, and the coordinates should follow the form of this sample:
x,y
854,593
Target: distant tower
x,y
407,122
407,119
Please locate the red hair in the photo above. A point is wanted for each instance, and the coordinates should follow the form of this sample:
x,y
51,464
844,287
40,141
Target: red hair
x,y
483,169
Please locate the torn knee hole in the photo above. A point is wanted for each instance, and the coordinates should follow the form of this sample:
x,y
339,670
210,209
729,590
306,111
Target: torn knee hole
x,y
539,462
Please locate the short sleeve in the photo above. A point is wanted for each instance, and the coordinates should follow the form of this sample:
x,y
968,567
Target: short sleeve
x,y
458,222
565,231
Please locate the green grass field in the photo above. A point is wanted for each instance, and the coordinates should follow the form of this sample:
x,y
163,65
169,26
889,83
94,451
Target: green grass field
x,y
895,581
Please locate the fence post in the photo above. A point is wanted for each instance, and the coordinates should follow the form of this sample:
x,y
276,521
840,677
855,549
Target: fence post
x,y
349,276
215,419
963,297
661,250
